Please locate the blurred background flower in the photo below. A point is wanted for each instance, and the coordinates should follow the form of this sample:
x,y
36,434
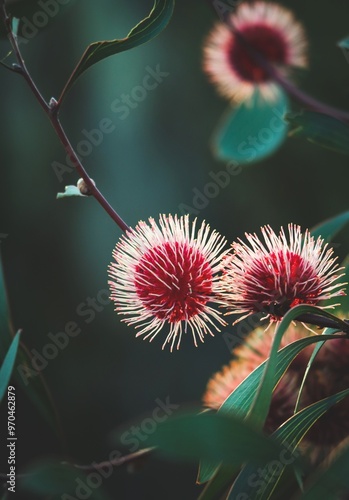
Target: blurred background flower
x,y
256,34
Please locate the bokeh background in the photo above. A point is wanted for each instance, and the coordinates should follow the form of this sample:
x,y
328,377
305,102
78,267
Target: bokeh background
x,y
56,252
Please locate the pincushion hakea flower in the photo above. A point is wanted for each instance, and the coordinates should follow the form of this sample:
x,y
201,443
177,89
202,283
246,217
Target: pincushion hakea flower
x,y
255,29
328,375
274,276
167,274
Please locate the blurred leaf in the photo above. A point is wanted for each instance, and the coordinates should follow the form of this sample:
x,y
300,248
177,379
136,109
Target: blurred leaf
x,y
31,381
253,130
147,29
26,11
344,44
213,436
70,191
321,129
51,478
330,227
5,322
289,435
8,364
328,483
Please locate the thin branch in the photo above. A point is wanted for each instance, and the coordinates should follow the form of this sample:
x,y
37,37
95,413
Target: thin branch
x,y
52,109
117,462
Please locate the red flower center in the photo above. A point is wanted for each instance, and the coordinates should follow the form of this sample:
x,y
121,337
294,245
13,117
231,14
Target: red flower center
x,y
268,44
281,281
173,281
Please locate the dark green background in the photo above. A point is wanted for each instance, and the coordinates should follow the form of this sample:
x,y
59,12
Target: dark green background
x,y
57,252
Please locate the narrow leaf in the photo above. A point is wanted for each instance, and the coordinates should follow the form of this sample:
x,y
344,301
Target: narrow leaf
x,y
289,435
322,130
8,364
31,381
240,400
147,29
327,331
220,483
329,482
260,407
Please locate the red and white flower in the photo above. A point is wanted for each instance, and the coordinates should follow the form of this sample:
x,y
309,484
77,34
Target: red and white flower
x,y
275,275
257,34
168,274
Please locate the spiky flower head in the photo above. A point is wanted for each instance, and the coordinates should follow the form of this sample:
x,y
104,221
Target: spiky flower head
x,y
168,274
275,275
255,35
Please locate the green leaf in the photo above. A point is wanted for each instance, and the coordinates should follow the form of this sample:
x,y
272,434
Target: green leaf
x,y
70,191
289,435
8,364
26,12
330,227
147,29
260,407
254,130
327,331
52,478
6,328
321,129
240,400
220,483
31,381
329,482
215,437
